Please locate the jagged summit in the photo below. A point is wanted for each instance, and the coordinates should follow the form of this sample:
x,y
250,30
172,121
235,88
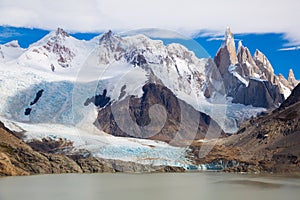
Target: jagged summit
x,y
262,61
58,36
106,36
243,73
228,33
61,32
291,75
291,78
226,55
240,45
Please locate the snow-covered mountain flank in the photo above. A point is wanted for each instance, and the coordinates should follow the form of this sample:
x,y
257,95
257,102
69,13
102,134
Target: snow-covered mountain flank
x,y
89,92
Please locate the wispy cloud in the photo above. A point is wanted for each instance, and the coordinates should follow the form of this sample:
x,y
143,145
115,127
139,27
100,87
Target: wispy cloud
x,y
215,39
9,34
155,33
296,48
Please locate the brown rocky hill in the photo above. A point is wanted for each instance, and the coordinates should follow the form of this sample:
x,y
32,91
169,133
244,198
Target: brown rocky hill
x,y
269,143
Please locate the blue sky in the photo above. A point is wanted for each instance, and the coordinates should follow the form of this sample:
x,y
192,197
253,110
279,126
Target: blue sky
x,y
269,43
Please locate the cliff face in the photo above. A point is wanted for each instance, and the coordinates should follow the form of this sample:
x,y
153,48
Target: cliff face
x,y
177,127
259,94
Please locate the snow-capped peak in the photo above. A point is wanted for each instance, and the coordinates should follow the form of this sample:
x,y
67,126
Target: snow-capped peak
x,y
106,36
57,36
55,51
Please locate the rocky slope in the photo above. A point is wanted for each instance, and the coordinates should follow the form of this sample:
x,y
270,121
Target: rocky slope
x,y
269,143
19,158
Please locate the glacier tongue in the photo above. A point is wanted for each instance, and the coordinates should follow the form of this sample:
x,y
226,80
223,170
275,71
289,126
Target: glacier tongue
x,y
105,146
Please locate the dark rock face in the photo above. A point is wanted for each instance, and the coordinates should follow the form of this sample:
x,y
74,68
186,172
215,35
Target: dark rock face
x,y
37,97
293,98
98,100
259,94
27,111
139,114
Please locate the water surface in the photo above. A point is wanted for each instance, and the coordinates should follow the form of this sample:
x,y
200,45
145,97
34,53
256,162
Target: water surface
x,y
149,186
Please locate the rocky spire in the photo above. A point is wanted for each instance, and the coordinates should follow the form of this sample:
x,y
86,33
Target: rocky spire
x,y
228,34
291,79
230,45
265,67
243,55
246,61
226,55
262,61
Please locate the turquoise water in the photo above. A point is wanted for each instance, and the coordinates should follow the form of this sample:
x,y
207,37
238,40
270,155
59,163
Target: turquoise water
x,y
149,186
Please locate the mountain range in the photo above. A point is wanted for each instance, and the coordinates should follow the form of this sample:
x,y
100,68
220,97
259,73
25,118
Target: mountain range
x,y
132,98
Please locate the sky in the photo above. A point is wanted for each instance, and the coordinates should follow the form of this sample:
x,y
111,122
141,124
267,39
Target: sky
x,y
188,17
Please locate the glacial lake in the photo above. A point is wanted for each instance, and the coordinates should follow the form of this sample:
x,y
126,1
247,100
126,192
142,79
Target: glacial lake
x,y
189,186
